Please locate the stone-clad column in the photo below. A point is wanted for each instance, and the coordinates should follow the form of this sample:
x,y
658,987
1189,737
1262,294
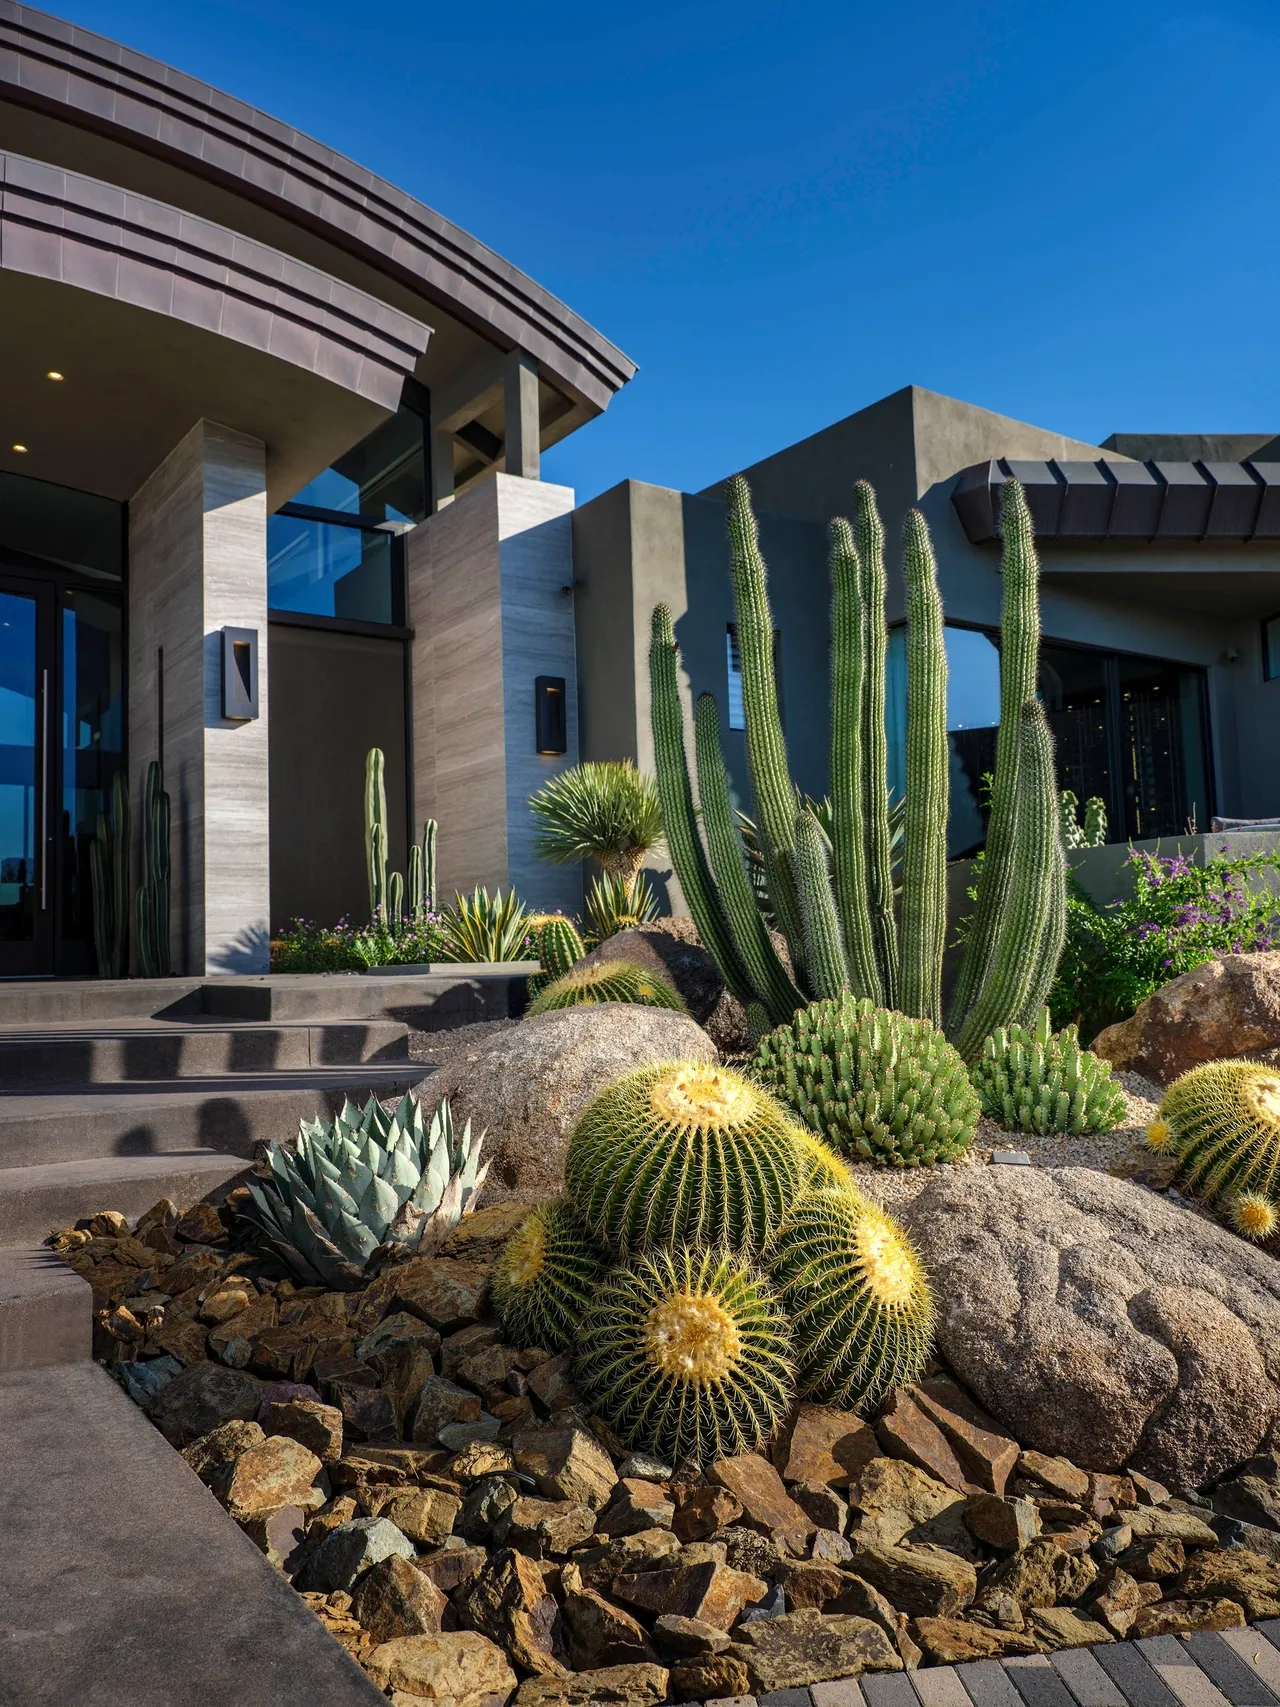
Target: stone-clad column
x,y
197,564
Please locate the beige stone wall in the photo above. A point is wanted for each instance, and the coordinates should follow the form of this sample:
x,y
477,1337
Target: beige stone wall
x,y
197,564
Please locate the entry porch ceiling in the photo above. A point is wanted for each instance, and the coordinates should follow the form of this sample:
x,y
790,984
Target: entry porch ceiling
x,y
1225,588
135,382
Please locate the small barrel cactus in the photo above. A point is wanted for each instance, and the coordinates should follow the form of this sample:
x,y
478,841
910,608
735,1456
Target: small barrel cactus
x,y
856,1296
683,1152
1036,1081
687,1354
559,945
606,981
876,1085
544,1279
1222,1123
820,1166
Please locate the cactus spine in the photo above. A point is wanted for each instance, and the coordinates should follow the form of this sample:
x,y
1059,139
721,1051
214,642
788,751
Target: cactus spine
x,y
151,903
109,875
851,942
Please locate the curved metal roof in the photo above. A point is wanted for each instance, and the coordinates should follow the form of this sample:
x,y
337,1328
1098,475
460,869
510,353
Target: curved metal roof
x,y
95,84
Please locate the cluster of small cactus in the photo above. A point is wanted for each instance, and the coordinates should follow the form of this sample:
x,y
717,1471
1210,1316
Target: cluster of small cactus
x,y
878,1086
836,906
606,981
1043,1081
739,1266
1221,1122
109,875
1093,832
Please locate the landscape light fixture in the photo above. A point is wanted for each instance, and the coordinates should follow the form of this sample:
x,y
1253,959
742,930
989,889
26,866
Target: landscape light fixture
x,y
53,374
551,726
21,449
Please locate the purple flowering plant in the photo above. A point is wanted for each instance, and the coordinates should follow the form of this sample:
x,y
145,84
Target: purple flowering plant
x,y
305,946
1179,916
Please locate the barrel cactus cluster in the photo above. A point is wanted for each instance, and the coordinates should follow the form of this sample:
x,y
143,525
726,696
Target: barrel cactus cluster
x,y
1043,1081
736,1267
1221,1123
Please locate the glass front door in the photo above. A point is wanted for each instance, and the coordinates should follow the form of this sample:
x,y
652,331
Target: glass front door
x,y
61,743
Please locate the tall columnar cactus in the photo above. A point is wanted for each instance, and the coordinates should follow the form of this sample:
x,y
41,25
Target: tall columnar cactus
x,y
429,830
109,876
843,930
151,904
375,831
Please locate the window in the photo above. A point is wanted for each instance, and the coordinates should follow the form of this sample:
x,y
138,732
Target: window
x,y
733,662
1271,649
1133,731
335,549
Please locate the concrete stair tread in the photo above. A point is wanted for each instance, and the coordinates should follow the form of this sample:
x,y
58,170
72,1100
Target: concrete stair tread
x,y
46,1310
37,1198
194,1025
370,1075
124,1583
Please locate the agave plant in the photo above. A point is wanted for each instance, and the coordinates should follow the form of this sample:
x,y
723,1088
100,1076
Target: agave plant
x,y
371,1182
480,928
613,907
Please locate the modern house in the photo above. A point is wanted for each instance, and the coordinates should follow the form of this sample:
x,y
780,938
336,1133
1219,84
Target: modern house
x,y
270,435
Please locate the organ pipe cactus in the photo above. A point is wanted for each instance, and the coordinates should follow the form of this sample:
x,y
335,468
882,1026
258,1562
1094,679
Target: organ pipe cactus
x,y
375,832
372,1178
891,957
151,903
109,877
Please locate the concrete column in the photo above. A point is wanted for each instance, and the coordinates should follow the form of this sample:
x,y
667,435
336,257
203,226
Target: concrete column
x,y
486,584
521,416
197,564
441,467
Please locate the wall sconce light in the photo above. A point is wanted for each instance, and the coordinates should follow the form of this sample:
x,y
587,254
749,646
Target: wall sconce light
x,y
239,674
550,721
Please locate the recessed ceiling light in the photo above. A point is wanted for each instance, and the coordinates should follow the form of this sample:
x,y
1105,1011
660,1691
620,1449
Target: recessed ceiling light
x,y
21,449
53,374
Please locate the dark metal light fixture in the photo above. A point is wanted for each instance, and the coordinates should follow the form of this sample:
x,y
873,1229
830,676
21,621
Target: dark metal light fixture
x,y
550,720
239,674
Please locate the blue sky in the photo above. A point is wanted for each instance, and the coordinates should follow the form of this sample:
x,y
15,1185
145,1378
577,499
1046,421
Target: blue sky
x,y
1064,212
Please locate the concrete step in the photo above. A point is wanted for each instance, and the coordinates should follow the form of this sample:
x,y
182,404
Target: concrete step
x,y
447,995
124,1583
46,1311
228,1112
144,1048
36,1201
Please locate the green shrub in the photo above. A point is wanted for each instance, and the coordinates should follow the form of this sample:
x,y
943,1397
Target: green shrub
x,y
1042,1081
544,1279
687,1354
606,981
307,947
876,1085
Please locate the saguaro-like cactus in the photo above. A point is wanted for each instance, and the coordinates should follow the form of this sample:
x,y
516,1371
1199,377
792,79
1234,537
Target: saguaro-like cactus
x,y
429,864
375,831
109,876
151,904
844,929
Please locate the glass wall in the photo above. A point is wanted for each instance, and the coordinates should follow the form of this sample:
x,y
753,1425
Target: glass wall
x,y
334,549
92,734
1132,730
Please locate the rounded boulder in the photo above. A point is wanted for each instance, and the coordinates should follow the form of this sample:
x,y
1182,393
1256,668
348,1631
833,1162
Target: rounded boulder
x,y
527,1084
1101,1322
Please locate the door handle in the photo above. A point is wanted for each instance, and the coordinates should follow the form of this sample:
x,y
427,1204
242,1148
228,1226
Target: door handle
x,y
44,790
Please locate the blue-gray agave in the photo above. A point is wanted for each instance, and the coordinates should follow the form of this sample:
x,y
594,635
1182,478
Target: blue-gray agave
x,y
371,1179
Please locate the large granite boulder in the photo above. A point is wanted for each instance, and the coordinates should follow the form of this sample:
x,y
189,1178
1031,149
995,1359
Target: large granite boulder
x,y
527,1084
1225,1008
670,948
1101,1322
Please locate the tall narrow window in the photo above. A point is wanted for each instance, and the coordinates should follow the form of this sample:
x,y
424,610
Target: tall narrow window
x,y
733,696
1271,648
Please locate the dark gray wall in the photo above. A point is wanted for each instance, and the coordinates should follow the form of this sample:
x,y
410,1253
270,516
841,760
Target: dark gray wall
x,y
333,696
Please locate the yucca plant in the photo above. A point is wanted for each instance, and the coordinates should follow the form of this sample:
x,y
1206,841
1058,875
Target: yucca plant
x,y
856,1296
613,905
605,811
480,928
1042,1081
688,1354
544,1279
606,981
373,1180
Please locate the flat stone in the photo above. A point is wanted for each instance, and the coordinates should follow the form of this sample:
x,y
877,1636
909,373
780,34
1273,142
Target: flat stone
x,y
919,1583
612,1686
1102,1322
183,1338
508,1602
825,1446
1119,1599
1002,1523
394,1599
891,1486
481,1458
599,1633
906,1431
679,1638
201,1224
456,1668
830,1547
425,1515
1170,1525
823,1504
710,1592
216,1451
396,1333
1061,1627
647,1467
367,1413
959,1641
809,1582
452,1567
713,1677
551,1383
759,1489
1041,1575
566,1464
701,1508
204,1395
651,1549
279,1534
635,1505
748,1550
810,1647
441,1402
441,1291
455,1437
351,1549
1178,1617
1059,1475
1112,1543
1235,1575
484,1507
544,1528
275,1472
1153,1558
1148,1490
983,1448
